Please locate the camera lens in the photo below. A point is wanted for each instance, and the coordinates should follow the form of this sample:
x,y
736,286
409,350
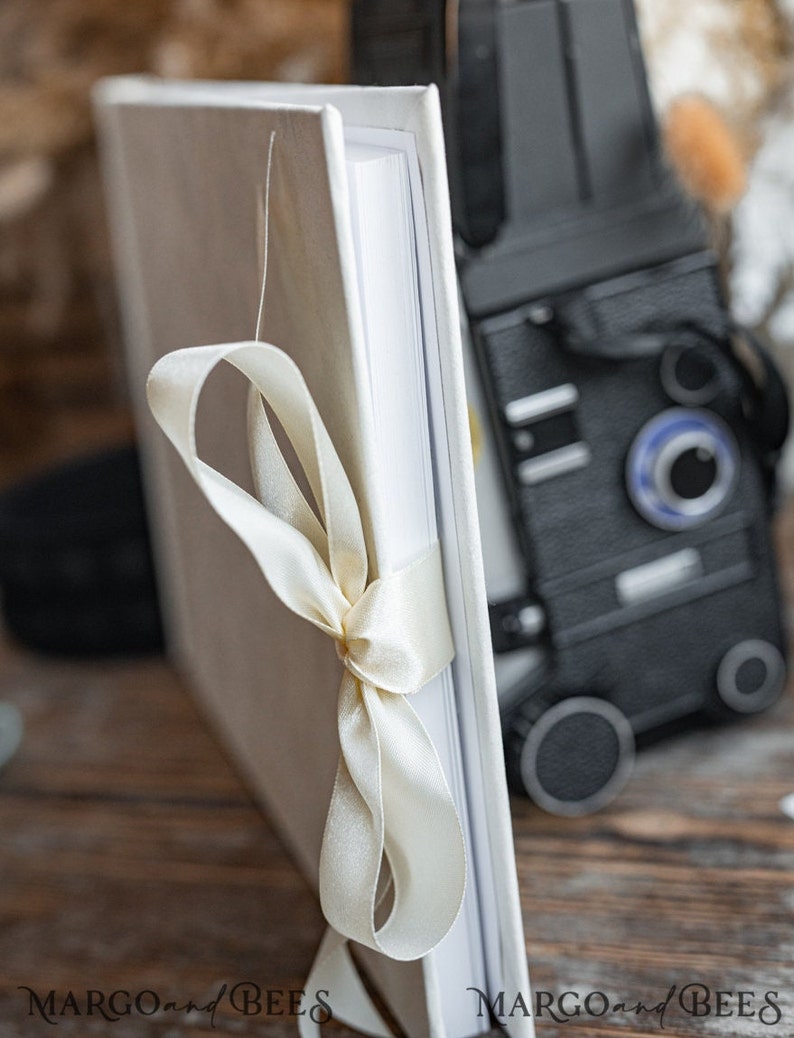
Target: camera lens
x,y
681,468
693,473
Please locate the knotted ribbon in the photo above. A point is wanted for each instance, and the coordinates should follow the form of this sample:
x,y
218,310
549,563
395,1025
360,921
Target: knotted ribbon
x,y
390,797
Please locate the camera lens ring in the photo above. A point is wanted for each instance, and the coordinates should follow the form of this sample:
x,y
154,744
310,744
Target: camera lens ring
x,y
659,445
751,650
673,452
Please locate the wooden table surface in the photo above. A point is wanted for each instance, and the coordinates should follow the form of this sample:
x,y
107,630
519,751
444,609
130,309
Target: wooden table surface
x,y
132,858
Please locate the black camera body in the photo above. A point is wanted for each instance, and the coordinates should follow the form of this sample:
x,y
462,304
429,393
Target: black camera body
x,y
636,429
641,500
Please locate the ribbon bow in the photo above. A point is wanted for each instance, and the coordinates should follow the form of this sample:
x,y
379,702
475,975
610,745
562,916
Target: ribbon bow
x,y
390,797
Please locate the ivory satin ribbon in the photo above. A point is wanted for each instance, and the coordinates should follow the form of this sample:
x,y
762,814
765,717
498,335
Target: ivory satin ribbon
x,y
390,797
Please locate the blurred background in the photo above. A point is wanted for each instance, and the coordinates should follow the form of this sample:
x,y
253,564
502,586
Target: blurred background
x,y
61,384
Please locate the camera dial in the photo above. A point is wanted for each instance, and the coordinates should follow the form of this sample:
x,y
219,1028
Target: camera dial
x,y
751,676
681,468
689,374
571,757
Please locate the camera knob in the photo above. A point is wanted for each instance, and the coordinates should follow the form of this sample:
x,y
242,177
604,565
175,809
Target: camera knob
x,y
571,757
681,468
750,676
689,374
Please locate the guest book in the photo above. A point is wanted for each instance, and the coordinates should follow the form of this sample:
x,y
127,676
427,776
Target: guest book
x,y
338,197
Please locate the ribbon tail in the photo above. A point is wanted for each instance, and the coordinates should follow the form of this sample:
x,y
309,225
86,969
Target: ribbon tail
x,y
334,976
390,795
352,848
422,831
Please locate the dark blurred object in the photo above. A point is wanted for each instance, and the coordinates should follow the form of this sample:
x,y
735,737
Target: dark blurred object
x,y
76,570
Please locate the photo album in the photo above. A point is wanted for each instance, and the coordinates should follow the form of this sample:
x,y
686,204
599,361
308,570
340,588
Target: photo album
x,y
293,342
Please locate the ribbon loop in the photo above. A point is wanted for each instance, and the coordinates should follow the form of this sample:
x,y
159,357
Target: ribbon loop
x,y
390,798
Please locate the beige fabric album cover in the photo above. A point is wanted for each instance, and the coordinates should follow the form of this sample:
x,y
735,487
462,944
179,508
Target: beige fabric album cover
x,y
185,166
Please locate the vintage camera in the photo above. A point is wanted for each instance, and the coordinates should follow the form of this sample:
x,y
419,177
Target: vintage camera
x,y
632,431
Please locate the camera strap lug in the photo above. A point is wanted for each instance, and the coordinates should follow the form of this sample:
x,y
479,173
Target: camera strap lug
x,y
516,623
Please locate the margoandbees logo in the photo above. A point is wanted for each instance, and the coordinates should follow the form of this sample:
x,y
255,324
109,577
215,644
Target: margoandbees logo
x,y
242,999
694,1000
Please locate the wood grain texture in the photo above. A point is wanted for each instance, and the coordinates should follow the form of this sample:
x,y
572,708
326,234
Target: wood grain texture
x,y
133,858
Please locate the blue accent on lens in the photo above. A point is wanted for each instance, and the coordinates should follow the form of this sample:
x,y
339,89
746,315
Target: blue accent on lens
x,y
659,443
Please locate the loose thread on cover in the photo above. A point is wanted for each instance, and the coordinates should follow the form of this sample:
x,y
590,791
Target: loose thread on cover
x,y
260,312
